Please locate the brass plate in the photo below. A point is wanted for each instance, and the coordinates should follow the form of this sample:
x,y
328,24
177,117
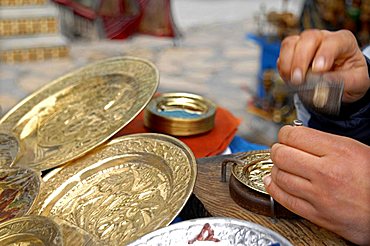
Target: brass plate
x,y
9,148
19,188
73,235
30,230
79,111
257,165
123,189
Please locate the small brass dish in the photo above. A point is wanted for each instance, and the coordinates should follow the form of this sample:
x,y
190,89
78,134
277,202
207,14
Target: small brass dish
x,y
255,168
180,114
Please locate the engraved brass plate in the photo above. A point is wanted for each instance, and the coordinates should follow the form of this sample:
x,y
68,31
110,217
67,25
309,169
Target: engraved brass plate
x,y
9,148
73,235
79,111
19,188
257,165
30,230
123,189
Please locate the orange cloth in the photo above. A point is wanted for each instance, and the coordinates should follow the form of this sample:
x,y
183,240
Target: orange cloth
x,y
210,143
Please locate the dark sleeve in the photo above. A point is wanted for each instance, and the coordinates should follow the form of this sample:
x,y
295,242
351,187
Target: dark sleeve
x,y
353,120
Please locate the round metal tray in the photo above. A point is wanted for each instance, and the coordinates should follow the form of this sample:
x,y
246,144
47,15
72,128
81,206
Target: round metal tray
x,y
122,190
79,111
227,230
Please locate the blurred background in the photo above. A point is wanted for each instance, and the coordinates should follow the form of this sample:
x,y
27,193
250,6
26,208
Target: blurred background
x,y
225,50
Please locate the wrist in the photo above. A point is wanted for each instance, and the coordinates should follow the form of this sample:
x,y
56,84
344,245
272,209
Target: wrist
x,y
366,53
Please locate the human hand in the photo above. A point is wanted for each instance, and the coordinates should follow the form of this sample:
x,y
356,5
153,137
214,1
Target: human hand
x,y
324,51
323,178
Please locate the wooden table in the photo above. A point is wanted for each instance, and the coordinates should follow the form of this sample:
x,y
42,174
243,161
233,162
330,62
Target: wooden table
x,y
214,196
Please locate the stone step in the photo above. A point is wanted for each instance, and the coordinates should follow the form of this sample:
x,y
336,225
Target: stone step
x,y
4,3
20,49
28,20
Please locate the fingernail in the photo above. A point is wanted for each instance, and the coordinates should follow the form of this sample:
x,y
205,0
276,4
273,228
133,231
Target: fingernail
x,y
297,76
267,180
318,64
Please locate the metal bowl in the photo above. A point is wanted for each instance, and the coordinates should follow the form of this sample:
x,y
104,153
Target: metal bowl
x,y
229,231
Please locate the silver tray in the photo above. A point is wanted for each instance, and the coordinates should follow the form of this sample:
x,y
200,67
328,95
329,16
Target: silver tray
x,y
229,231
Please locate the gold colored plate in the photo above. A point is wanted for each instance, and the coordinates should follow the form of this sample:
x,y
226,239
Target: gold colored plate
x,y
73,235
30,230
122,190
257,165
19,188
9,148
79,111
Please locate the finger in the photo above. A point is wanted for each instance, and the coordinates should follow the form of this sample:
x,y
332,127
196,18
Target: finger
x,y
292,184
304,53
335,47
295,161
308,140
284,62
295,204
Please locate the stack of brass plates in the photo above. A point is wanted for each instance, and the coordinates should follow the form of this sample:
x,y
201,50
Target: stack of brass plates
x,y
180,114
80,110
95,192
123,189
30,230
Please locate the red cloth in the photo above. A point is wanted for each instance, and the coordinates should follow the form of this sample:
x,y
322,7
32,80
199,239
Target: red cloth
x,y
210,143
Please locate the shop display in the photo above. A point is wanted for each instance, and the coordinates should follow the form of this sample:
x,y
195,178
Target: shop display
x,y
338,14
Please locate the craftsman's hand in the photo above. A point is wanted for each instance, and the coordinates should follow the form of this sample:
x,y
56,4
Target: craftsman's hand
x,y
324,178
324,51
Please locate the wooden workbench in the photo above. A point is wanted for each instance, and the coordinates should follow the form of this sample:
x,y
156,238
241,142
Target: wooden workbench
x,y
215,200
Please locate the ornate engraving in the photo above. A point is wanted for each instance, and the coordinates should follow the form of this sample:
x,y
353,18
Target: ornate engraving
x,y
8,149
124,189
257,165
30,230
78,112
19,188
73,235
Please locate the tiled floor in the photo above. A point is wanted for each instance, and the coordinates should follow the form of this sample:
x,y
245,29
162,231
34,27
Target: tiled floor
x,y
213,60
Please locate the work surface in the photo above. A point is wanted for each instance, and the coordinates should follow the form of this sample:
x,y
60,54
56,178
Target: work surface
x,y
215,197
